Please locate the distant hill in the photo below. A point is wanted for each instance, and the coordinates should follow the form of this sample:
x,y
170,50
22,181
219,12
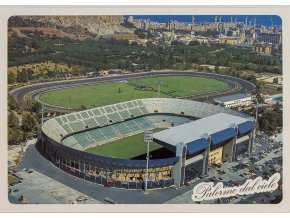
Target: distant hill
x,y
75,27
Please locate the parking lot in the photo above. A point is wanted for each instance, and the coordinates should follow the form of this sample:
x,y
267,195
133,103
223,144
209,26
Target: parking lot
x,y
35,188
265,160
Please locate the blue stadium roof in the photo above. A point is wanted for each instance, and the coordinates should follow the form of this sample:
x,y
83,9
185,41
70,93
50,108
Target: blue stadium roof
x,y
245,127
223,136
221,128
196,146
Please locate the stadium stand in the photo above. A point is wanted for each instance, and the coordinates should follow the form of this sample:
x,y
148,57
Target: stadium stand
x,y
68,124
115,117
102,120
67,136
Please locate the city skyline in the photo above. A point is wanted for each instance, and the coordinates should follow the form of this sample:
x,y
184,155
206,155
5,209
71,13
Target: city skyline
x,y
266,20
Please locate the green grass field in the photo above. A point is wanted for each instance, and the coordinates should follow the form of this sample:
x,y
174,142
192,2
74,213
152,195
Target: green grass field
x,y
125,148
184,85
103,94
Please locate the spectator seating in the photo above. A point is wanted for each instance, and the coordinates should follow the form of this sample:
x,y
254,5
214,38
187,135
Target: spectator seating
x,y
100,125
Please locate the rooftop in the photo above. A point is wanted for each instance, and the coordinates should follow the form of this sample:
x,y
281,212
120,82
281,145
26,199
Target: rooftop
x,y
229,37
231,97
195,130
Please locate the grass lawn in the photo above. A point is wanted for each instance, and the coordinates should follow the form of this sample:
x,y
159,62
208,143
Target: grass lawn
x,y
184,85
103,94
125,148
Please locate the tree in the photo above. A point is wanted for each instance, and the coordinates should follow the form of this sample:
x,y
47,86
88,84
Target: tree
x,y
251,78
260,98
83,107
33,106
22,76
194,43
12,103
277,107
11,78
264,124
270,120
34,44
15,136
140,33
275,80
30,123
128,24
13,120
216,68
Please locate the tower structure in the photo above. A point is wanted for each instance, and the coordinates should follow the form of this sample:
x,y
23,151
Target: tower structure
x,y
216,22
246,22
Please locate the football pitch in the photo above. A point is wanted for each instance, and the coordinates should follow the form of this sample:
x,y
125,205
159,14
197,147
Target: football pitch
x,y
97,95
126,148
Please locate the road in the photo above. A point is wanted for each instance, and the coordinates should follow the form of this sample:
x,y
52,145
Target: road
x,y
36,89
35,161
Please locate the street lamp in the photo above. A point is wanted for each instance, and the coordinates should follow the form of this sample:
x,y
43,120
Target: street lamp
x,y
84,171
42,138
42,109
159,82
257,108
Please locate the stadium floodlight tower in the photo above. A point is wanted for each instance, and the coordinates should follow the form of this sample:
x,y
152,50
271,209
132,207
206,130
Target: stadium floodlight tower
x,y
255,123
159,82
253,135
148,137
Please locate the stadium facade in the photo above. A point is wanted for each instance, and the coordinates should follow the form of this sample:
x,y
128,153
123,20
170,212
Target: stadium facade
x,y
236,100
197,133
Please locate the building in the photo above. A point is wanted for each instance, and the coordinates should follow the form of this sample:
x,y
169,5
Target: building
x,y
198,134
221,27
211,140
175,25
266,49
274,99
131,19
229,40
273,38
237,100
146,24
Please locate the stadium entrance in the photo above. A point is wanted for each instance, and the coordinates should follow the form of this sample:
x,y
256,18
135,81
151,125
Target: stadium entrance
x,y
193,171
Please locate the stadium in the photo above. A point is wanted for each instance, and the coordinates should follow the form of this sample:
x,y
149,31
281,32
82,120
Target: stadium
x,y
100,144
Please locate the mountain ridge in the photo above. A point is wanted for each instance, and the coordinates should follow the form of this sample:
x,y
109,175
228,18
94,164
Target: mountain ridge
x,y
80,26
